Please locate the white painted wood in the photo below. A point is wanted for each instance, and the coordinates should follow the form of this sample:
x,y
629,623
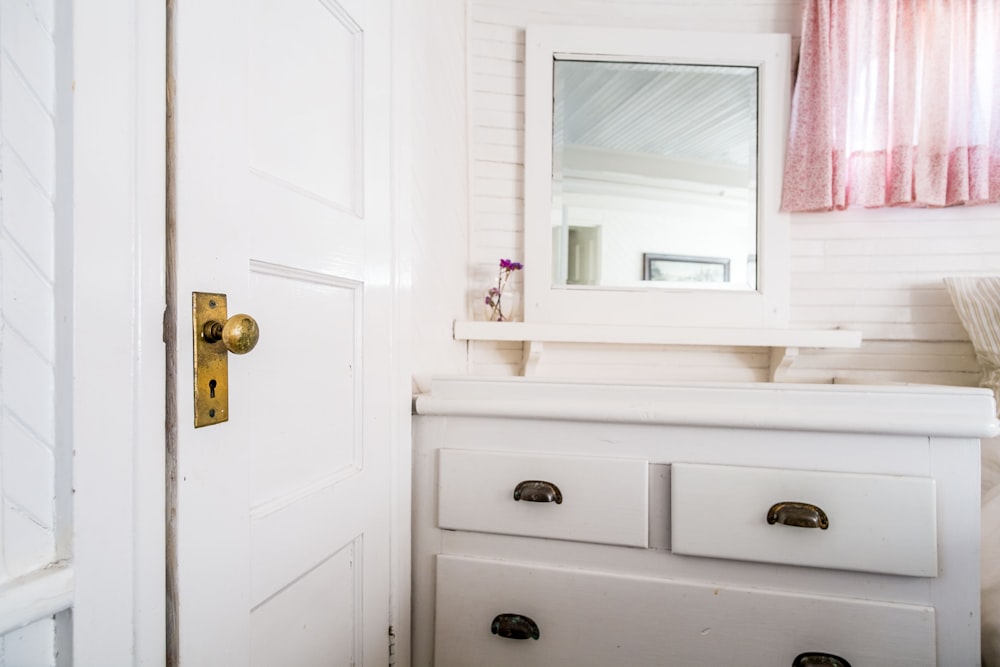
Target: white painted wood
x,y
28,216
28,373
603,500
440,205
35,490
636,13
477,424
28,126
35,596
29,480
592,618
636,363
285,512
765,307
82,158
112,81
878,523
426,542
309,615
654,335
782,359
912,410
819,451
29,45
401,376
32,645
958,500
531,357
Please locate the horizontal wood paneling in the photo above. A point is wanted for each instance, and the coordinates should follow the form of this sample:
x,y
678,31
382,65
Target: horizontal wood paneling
x,y
878,271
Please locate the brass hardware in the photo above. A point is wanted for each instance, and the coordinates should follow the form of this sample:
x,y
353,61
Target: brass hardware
x,y
537,491
800,515
514,626
215,335
819,660
239,333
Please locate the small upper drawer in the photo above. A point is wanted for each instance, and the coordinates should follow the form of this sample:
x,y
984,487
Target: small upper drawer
x,y
870,523
564,497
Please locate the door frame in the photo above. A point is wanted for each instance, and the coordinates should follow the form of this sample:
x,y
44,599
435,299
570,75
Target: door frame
x,y
117,120
117,115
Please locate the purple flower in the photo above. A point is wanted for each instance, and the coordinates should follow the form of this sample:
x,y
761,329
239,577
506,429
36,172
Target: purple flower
x,y
492,298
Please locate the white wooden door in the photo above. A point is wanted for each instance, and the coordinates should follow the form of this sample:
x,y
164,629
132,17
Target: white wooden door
x,y
283,203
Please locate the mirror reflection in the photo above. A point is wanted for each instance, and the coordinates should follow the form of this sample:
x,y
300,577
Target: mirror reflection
x,y
654,169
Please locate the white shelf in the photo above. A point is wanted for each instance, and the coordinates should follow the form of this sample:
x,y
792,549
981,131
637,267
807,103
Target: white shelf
x,y
784,343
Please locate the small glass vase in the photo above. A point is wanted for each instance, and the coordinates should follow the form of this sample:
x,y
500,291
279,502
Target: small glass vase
x,y
508,311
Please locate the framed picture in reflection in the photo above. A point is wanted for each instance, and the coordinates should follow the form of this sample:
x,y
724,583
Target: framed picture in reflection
x,y
685,268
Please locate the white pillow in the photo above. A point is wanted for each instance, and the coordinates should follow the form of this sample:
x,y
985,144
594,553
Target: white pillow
x,y
977,300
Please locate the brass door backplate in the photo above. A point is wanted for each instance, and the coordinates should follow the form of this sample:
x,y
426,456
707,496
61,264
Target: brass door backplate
x,y
211,361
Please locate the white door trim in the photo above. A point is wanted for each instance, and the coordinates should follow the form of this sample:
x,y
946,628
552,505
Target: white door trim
x,y
118,167
403,73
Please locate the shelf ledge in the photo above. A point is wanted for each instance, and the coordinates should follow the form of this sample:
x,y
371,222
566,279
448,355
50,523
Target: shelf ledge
x,y
784,343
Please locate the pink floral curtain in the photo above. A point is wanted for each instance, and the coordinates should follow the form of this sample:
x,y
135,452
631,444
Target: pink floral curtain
x,y
897,102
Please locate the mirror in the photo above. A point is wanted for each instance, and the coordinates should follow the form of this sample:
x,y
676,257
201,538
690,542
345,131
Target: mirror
x,y
654,170
652,177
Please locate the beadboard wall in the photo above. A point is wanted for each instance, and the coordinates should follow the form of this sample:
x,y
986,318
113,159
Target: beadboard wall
x,y
877,271
28,273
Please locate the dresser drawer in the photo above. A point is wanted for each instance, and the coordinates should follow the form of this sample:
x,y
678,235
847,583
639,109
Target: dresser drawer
x,y
592,618
869,523
581,498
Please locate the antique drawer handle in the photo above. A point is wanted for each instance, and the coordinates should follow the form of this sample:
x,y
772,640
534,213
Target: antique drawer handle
x,y
537,491
819,660
801,515
516,626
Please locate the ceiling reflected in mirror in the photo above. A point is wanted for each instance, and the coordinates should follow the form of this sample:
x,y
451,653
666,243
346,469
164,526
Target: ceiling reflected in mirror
x,y
654,175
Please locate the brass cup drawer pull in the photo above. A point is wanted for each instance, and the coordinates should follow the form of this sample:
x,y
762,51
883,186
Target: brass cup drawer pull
x,y
538,491
800,515
819,660
515,626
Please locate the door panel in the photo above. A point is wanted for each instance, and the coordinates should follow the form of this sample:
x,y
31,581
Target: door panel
x,y
282,203
317,613
317,427
304,123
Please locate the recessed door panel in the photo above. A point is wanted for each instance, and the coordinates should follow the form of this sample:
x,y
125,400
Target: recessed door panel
x,y
302,432
314,620
304,108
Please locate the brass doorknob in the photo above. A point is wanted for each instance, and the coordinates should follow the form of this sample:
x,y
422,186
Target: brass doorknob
x,y
239,333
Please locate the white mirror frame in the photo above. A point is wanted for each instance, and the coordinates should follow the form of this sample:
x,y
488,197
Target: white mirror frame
x,y
767,307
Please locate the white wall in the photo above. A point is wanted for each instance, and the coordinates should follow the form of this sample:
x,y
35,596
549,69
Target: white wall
x,y
29,273
877,271
439,178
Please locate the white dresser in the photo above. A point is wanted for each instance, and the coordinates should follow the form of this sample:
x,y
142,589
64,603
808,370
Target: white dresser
x,y
592,524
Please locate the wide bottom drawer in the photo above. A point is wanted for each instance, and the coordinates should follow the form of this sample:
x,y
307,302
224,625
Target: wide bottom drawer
x,y
588,618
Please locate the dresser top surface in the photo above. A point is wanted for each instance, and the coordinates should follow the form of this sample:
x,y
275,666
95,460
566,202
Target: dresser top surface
x,y
904,409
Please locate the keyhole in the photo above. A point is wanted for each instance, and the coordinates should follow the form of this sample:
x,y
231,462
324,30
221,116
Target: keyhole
x,y
211,388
